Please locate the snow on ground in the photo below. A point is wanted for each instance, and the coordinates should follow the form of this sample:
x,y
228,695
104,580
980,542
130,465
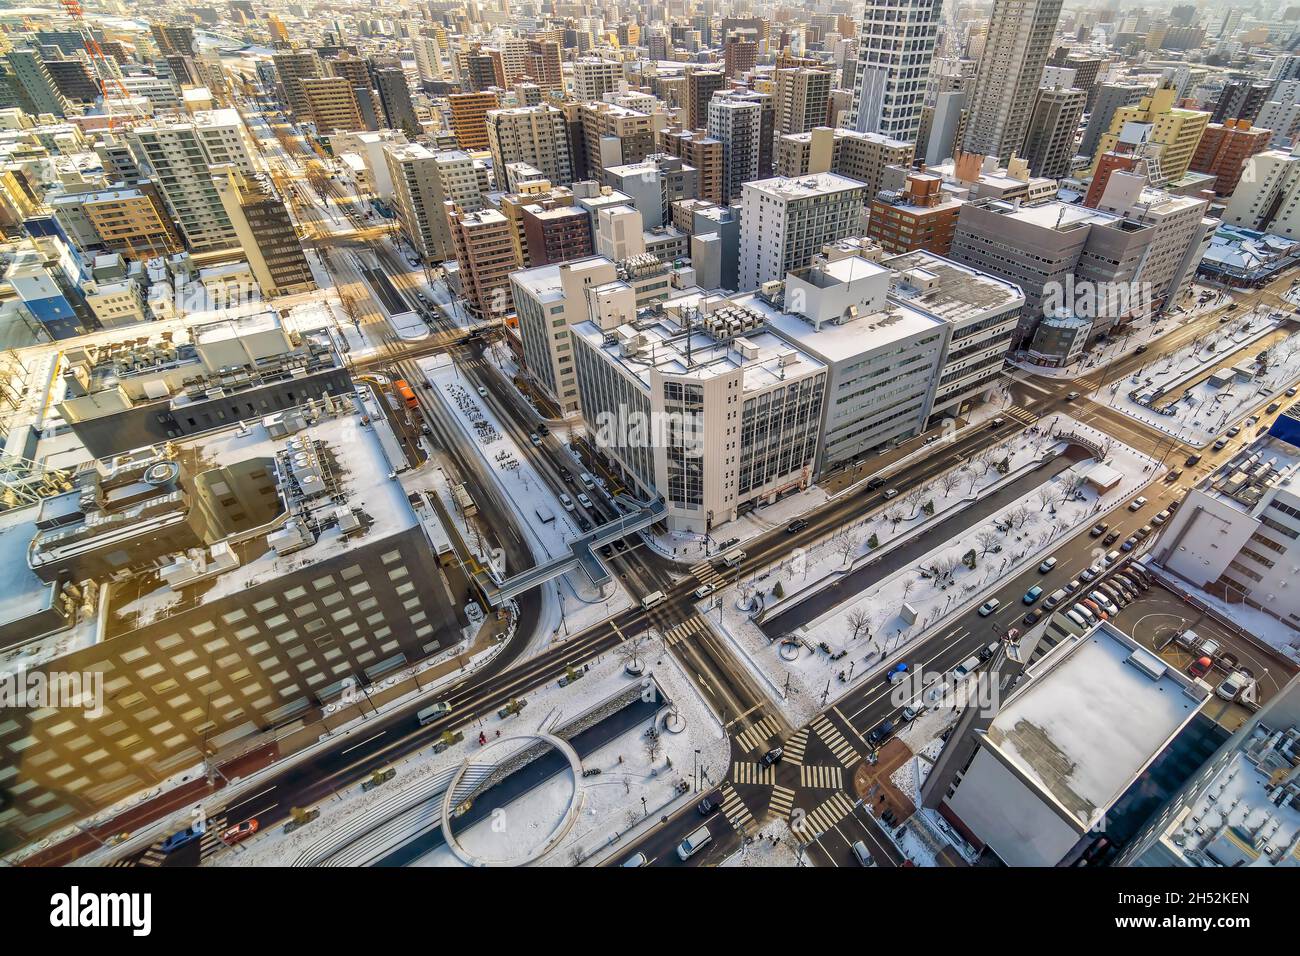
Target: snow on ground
x,y
1202,411
689,548
775,846
608,801
881,632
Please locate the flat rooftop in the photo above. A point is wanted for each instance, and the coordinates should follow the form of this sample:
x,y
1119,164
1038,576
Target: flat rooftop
x,y
1254,472
803,187
956,292
1097,709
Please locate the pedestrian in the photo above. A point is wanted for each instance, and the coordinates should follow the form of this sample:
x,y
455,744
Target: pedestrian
x,y
498,733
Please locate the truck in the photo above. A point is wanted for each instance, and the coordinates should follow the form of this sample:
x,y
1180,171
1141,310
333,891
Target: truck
x,y
463,501
406,393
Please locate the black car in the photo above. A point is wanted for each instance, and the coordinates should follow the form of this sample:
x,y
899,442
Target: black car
x,y
772,756
564,473
875,483
797,525
1033,616
583,523
1098,529
880,734
1110,538
1192,460
706,807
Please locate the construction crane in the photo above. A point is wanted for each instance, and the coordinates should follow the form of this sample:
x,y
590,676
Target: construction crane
x,y
104,72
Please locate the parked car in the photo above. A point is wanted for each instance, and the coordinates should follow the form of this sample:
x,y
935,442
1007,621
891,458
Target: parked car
x,y
1047,565
1220,444
535,438
1087,574
1273,406
1097,610
1085,612
1073,586
707,807
1291,392
1233,685
1129,543
1200,667
1160,518
798,524
880,734
1140,349
1033,594
1034,616
1110,538
1112,557
989,606
1105,603
1143,532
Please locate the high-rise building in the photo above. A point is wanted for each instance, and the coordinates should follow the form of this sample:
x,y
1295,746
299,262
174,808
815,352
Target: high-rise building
x,y
784,222
1224,149
697,148
739,56
485,252
1049,140
860,156
616,136
700,87
1109,98
175,154
173,38
292,67
895,46
266,233
423,182
33,85
428,57
594,77
737,124
395,99
801,96
332,103
469,118
555,232
1019,37
536,135
1168,135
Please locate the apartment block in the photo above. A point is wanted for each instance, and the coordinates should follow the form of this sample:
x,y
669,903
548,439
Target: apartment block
x,y
785,221
1224,149
535,135
469,118
485,251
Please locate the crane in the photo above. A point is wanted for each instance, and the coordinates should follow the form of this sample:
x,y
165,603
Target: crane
x,y
99,60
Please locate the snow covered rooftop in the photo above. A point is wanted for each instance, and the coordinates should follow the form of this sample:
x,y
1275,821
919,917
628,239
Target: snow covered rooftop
x,y
1094,713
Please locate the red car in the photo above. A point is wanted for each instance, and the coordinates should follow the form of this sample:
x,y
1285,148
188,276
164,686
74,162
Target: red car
x,y
239,832
1200,667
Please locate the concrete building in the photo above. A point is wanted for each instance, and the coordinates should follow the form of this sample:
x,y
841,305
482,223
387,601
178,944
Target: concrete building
x,y
784,222
1224,149
701,85
697,148
364,163
895,47
130,220
594,77
485,251
292,67
395,99
1235,534
1168,135
860,156
1267,198
530,134
332,103
1109,99
423,183
177,156
1049,138
800,99
469,118
555,233
737,124
918,217
1019,36
1081,727
617,136
266,233
655,184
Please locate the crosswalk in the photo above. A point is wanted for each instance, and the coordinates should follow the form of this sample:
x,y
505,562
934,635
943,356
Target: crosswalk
x,y
706,573
826,815
684,631
209,844
822,778
734,809
782,801
750,772
1021,414
795,747
833,739
752,738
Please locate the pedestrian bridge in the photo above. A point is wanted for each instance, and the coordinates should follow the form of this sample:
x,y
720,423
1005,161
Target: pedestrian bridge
x,y
581,554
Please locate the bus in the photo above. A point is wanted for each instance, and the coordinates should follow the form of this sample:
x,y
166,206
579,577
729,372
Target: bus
x,y
404,390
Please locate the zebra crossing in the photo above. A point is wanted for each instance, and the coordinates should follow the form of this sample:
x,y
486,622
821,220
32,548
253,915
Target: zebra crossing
x,y
209,844
840,747
782,801
827,814
706,573
1021,413
795,747
822,778
758,735
749,772
734,809
684,631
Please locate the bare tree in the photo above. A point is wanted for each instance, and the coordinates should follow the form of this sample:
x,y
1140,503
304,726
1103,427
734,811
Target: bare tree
x,y
1046,496
846,546
1018,516
858,621
914,499
653,748
908,585
629,652
987,541
893,516
949,480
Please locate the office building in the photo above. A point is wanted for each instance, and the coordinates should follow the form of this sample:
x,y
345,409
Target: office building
x,y
919,216
266,233
784,222
423,182
1049,139
800,99
737,124
1224,149
860,156
1166,135
895,46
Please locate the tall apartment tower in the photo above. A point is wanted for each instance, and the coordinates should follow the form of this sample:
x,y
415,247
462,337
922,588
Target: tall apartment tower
x,y
333,104
593,78
1019,37
536,135
785,222
1049,141
895,46
423,182
292,67
737,124
428,57
700,87
801,96
485,252
469,118
265,231
175,153
395,98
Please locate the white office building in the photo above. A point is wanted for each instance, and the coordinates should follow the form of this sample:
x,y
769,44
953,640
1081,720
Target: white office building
x,y
895,46
737,124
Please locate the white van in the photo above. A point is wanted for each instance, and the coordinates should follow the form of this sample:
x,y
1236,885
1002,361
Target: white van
x,y
968,666
653,598
1076,618
694,843
587,480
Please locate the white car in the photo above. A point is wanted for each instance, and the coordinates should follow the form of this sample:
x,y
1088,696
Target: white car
x,y
703,591
584,501
1233,685
482,391
989,606
1137,504
1106,603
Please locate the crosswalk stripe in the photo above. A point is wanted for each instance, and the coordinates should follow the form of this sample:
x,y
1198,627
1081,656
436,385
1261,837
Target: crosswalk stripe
x,y
832,811
734,809
683,631
743,772
795,747
782,800
823,778
840,747
757,735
